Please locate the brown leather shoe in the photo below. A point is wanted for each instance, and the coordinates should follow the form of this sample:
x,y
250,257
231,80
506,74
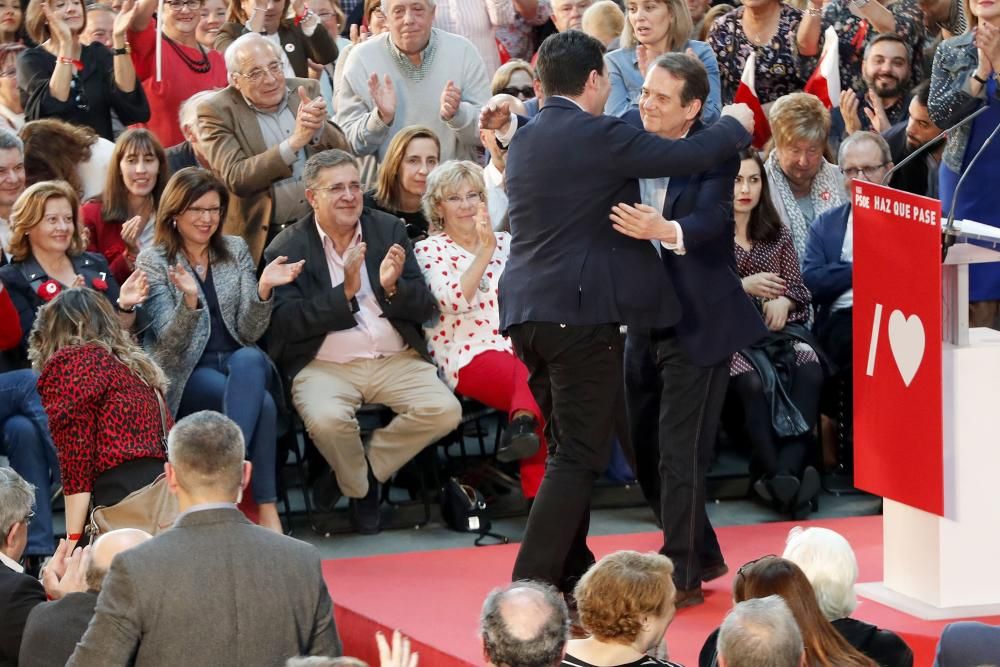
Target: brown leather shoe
x,y
713,572
688,598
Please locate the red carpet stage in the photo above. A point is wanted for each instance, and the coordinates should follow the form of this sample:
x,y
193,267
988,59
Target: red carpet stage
x,y
435,596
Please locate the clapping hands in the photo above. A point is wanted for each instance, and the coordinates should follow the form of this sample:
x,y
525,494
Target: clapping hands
x,y
279,272
66,571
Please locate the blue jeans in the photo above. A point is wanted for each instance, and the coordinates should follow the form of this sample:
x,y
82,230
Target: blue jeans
x,y
236,384
25,440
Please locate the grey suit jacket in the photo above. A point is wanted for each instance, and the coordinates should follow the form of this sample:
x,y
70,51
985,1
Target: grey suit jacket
x,y
54,628
213,590
176,335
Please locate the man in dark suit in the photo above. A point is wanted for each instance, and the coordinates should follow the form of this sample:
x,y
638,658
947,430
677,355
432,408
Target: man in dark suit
x,y
54,628
968,644
572,279
19,592
676,377
349,330
921,175
214,589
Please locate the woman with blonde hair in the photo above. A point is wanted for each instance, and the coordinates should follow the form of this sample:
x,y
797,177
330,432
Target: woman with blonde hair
x,y
652,28
413,153
103,396
626,603
514,77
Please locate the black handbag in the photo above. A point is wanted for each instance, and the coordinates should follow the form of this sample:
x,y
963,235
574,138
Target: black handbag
x,y
463,509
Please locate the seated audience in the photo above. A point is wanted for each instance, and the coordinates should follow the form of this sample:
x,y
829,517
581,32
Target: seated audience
x,y
430,77
477,21
11,108
54,627
359,342
778,379
515,78
189,152
55,150
921,175
802,183
626,603
765,29
524,623
828,562
82,85
103,396
170,62
653,28
769,576
11,184
462,262
402,179
886,75
829,256
967,644
121,222
604,21
760,632
206,311
19,592
213,15
263,170
260,597
100,25
297,37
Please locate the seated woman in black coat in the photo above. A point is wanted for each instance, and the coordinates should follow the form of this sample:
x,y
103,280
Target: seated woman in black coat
x,y
402,179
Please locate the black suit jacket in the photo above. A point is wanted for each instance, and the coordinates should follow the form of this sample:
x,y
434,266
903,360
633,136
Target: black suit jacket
x,y
19,594
566,168
181,156
717,316
912,177
54,628
306,310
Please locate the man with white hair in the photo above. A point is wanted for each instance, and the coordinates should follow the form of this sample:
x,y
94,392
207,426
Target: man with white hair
x,y
188,153
761,632
414,74
19,592
828,561
257,134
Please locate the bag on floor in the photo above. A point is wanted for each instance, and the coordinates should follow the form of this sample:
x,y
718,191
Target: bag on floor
x,y
463,509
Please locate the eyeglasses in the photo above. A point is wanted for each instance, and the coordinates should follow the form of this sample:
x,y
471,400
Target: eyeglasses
x,y
213,211
178,5
525,93
324,16
256,75
341,190
474,198
746,566
868,172
27,519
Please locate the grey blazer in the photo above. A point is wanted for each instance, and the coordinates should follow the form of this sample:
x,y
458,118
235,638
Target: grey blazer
x,y
176,335
213,590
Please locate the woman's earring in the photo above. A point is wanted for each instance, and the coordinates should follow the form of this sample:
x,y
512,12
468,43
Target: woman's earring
x,y
175,223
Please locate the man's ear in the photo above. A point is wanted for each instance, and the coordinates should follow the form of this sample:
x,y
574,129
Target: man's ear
x,y
171,471
247,471
693,110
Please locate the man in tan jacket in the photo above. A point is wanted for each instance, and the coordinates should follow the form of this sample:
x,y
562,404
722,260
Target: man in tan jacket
x,y
257,134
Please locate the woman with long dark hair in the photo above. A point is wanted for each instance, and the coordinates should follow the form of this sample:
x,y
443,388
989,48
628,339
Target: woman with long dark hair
x,y
777,380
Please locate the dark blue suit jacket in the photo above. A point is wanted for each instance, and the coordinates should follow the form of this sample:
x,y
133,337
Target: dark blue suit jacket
x,y
717,316
823,272
968,644
566,168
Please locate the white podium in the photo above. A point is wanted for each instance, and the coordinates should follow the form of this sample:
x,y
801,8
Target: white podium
x,y
946,567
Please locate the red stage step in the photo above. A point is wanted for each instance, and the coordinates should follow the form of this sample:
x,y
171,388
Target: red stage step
x,y
435,596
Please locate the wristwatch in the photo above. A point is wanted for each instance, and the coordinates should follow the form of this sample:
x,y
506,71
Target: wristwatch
x,y
124,51
118,302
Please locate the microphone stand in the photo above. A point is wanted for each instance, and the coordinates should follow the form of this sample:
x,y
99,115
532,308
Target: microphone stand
x,y
948,231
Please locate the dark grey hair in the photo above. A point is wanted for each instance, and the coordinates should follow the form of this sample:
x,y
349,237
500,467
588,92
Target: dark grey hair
x,y
9,140
16,499
207,450
328,159
688,69
859,137
761,632
503,647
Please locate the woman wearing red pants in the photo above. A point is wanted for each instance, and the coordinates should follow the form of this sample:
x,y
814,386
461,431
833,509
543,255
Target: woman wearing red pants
x,y
462,261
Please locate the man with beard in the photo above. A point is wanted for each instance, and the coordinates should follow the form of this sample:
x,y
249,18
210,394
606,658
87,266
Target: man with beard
x,y
886,71
921,175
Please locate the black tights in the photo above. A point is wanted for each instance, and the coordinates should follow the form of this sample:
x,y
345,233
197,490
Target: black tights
x,y
774,456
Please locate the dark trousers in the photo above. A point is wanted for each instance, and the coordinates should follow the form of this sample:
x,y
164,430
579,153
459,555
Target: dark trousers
x,y
674,411
575,375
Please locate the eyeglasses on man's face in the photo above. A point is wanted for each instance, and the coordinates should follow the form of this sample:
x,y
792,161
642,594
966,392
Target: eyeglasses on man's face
x,y
178,5
257,74
341,189
27,519
869,172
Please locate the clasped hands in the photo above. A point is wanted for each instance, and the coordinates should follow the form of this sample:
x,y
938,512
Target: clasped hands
x,y
388,273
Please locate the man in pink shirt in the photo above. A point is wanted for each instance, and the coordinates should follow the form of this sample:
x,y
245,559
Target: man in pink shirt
x,y
348,331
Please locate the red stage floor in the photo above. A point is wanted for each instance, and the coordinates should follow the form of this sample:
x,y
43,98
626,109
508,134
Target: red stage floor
x,y
435,596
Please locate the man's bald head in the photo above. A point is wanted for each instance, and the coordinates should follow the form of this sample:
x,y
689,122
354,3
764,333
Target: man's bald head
x,y
524,625
106,547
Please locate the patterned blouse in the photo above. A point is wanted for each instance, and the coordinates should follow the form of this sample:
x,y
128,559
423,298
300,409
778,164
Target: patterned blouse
x,y
778,69
776,257
855,33
100,414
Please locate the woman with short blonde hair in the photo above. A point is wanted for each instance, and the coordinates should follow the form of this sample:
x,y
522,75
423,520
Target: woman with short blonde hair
x,y
507,79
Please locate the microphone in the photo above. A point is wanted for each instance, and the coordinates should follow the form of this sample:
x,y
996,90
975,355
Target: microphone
x,y
922,149
949,228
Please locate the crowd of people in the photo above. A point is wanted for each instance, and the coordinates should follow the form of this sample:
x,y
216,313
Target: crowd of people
x,y
267,208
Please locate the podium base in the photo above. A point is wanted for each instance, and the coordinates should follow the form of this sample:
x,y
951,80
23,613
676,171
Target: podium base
x,y
877,592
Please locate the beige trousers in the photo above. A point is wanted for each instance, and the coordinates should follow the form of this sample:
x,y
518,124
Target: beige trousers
x,y
327,395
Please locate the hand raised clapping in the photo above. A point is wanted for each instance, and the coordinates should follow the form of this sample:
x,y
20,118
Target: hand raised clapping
x,y
279,272
186,283
134,290
392,267
354,260
451,100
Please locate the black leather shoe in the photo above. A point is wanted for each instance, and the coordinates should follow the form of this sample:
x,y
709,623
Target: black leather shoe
x,y
779,490
519,440
805,498
713,572
365,517
325,492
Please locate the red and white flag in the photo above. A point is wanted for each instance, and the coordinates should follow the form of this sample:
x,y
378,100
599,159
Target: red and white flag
x,y
746,93
825,81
